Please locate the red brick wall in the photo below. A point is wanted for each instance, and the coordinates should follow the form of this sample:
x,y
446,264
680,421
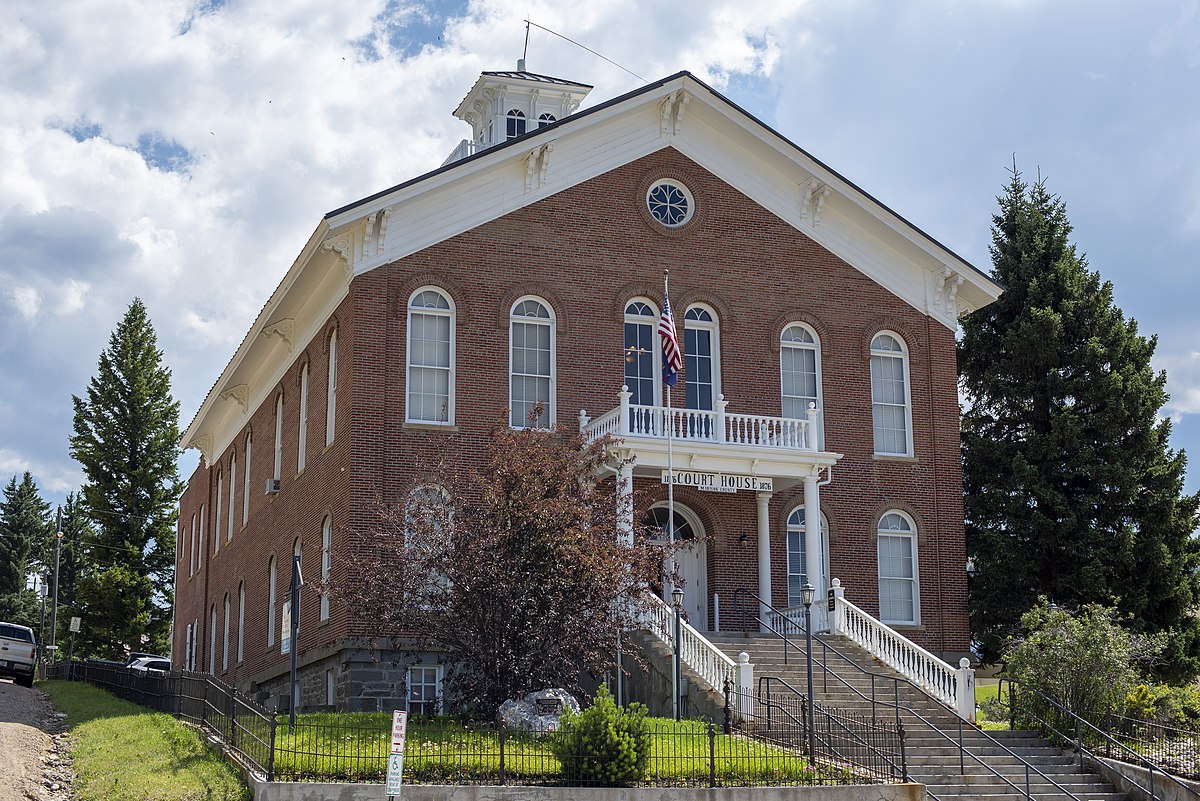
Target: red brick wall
x,y
586,251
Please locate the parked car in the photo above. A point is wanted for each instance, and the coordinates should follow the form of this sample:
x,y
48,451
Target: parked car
x,y
151,666
136,655
18,653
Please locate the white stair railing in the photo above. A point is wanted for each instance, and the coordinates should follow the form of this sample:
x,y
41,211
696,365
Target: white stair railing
x,y
954,687
710,664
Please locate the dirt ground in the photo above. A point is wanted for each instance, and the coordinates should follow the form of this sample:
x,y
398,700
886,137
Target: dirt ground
x,y
34,753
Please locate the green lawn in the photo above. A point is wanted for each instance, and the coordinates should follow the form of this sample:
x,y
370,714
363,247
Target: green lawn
x,y
123,752
352,747
986,692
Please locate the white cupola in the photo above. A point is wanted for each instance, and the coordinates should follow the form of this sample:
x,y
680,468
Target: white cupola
x,y
506,105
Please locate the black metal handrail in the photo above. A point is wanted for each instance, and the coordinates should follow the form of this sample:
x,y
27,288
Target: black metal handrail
x,y
1083,725
741,594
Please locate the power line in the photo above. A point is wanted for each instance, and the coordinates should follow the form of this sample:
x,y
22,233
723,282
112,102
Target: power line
x,y
577,44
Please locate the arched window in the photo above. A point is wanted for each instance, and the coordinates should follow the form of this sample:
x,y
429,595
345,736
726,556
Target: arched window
x,y
232,497
331,389
326,563
515,123
192,548
272,584
430,357
302,439
899,598
278,438
217,516
546,119
701,357
200,546
241,652
800,372
212,640
890,409
531,365
643,375
797,558
225,639
246,486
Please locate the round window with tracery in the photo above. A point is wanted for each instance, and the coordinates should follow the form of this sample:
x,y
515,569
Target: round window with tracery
x,y
670,203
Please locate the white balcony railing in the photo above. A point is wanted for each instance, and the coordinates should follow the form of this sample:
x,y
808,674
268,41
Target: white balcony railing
x,y
718,426
466,147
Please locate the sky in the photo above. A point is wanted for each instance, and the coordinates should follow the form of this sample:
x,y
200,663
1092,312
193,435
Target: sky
x,y
183,152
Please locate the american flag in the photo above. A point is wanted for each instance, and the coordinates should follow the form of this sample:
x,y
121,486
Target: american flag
x,y
672,360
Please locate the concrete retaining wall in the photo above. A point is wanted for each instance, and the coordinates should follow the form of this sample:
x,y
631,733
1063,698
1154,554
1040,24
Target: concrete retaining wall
x,y
1132,779
305,791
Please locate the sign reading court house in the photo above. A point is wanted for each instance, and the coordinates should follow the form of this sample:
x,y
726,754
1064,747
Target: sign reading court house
x,y
718,482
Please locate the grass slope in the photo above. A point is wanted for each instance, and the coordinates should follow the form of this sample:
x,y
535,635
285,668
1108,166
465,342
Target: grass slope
x,y
125,753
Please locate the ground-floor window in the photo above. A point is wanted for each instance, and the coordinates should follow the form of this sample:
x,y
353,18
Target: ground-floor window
x,y
899,600
796,558
424,682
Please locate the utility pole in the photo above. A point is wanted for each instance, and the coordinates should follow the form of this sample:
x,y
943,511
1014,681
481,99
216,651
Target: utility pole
x,y
54,607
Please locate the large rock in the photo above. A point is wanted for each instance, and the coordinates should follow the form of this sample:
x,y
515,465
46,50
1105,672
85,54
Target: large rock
x,y
538,712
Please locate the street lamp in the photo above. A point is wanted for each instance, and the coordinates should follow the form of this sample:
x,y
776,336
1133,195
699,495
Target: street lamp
x,y
676,675
806,597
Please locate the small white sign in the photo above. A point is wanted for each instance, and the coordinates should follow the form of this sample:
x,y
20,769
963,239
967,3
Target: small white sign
x,y
717,482
399,730
75,621
395,769
285,636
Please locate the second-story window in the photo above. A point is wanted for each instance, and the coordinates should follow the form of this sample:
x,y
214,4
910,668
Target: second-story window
x,y
246,485
232,497
331,385
217,515
278,437
800,372
302,439
642,364
545,119
889,395
701,358
531,364
430,357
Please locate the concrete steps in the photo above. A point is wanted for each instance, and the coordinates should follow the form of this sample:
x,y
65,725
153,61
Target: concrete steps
x,y
995,763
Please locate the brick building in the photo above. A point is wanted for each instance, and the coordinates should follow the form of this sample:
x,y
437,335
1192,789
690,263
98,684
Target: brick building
x,y
818,328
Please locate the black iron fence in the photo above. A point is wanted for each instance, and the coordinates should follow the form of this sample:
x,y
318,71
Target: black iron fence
x,y
768,746
1176,750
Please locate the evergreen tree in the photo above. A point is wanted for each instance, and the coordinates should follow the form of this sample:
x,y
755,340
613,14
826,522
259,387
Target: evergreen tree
x,y
126,434
24,530
72,566
1072,490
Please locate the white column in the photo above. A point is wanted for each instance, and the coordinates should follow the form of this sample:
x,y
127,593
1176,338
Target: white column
x,y
812,536
625,500
764,557
744,683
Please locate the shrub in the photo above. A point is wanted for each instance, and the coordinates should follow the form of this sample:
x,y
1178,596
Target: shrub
x,y
604,744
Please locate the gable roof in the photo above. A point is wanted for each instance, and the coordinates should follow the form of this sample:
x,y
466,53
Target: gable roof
x,y
678,111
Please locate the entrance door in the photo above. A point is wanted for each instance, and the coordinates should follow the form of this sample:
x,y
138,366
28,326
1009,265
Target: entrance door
x,y
693,571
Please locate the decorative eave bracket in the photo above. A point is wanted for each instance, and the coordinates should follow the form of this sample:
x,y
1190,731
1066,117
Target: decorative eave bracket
x,y
204,444
284,329
671,112
537,161
813,193
945,291
239,394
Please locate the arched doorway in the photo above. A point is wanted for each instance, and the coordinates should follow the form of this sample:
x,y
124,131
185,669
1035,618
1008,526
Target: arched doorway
x,y
692,560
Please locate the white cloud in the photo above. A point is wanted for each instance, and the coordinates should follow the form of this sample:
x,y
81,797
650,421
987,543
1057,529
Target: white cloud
x,y
1183,382
27,300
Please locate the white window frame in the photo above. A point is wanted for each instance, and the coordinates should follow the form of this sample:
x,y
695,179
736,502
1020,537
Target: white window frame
x,y
200,544
246,485
520,119
408,686
551,323
217,515
786,345
651,321
192,548
911,535
302,437
799,529
326,564
331,390
225,639
877,357
232,497
278,474
212,642
272,598
449,313
195,643
713,325
241,642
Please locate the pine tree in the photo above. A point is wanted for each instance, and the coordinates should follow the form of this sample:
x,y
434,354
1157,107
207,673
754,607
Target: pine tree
x,y
126,433
1072,490
24,532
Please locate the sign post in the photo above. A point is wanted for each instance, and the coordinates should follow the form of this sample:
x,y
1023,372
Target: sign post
x,y
396,757
75,624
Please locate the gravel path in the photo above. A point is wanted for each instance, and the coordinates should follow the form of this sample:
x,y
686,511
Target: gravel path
x,y
34,752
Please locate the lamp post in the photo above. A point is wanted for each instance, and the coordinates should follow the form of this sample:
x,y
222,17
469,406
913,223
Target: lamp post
x,y
676,674
806,596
